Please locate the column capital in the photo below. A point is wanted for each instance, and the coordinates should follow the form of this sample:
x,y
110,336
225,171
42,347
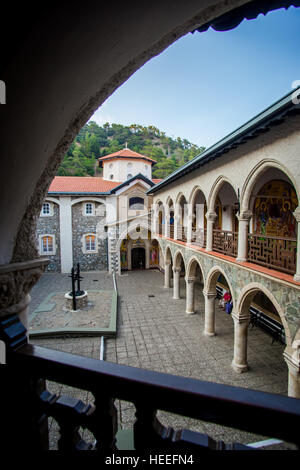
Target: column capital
x,y
209,295
245,318
16,281
176,270
292,356
211,216
190,279
244,216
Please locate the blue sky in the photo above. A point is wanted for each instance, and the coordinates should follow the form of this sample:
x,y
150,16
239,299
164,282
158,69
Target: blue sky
x,y
205,85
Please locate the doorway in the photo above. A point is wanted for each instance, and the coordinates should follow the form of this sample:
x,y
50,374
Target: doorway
x,y
138,258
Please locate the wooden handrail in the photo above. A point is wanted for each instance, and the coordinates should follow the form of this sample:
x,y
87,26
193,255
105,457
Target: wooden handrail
x,y
248,410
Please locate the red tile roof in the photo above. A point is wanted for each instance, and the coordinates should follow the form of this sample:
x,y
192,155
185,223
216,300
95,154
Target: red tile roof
x,y
84,184
155,180
81,184
126,153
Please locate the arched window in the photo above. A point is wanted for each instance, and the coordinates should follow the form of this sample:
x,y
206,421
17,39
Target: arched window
x,y
90,242
129,176
111,177
136,203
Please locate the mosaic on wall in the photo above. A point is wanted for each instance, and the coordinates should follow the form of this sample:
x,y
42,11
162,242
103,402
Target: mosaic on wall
x,y
273,210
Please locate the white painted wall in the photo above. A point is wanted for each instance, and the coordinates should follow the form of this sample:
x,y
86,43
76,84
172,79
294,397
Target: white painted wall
x,y
121,168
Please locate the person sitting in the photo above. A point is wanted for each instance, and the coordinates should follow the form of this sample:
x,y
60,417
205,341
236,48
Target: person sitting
x,y
225,299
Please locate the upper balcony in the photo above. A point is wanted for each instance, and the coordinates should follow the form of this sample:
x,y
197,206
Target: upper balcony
x,y
260,228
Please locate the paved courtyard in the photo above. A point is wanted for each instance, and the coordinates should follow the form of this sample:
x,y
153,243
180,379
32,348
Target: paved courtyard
x,y
155,333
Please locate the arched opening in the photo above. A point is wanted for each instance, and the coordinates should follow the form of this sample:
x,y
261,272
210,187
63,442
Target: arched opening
x,y
181,218
171,217
272,241
225,231
267,336
194,287
178,275
219,304
161,218
199,221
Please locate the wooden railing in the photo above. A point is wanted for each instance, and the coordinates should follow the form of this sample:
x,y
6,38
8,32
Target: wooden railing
x,y
247,410
199,237
225,242
172,231
273,252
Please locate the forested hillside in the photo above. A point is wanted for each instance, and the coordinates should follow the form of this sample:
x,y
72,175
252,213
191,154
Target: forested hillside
x,y
94,141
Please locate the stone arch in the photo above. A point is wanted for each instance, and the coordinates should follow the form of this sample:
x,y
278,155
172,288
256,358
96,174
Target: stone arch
x,y
254,175
191,267
211,281
245,298
88,198
168,255
178,256
215,190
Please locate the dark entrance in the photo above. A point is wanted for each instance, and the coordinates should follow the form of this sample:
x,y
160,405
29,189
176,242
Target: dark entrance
x,y
138,258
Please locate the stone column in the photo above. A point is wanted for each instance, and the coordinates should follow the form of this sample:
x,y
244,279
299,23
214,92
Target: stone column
x,y
239,362
244,219
292,358
211,217
190,308
297,217
209,313
176,283
167,275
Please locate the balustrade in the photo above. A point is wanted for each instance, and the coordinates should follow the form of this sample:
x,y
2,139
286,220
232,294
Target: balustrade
x,y
225,242
274,252
30,366
199,237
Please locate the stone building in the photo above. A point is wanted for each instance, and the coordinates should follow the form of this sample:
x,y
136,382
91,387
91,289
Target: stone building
x,y
96,220
48,102
236,214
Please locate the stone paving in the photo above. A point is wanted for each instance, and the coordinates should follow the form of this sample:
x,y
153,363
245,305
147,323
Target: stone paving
x,y
155,333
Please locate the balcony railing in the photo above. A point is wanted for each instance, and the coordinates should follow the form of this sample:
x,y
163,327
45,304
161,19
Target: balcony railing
x,y
225,242
30,403
172,231
199,237
273,252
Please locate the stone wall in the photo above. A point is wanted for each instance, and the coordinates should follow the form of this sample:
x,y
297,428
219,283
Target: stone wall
x,y
91,224
50,225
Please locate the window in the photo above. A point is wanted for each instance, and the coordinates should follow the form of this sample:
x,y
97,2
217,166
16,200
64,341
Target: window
x,y
111,177
90,242
129,176
89,208
47,246
136,203
47,209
